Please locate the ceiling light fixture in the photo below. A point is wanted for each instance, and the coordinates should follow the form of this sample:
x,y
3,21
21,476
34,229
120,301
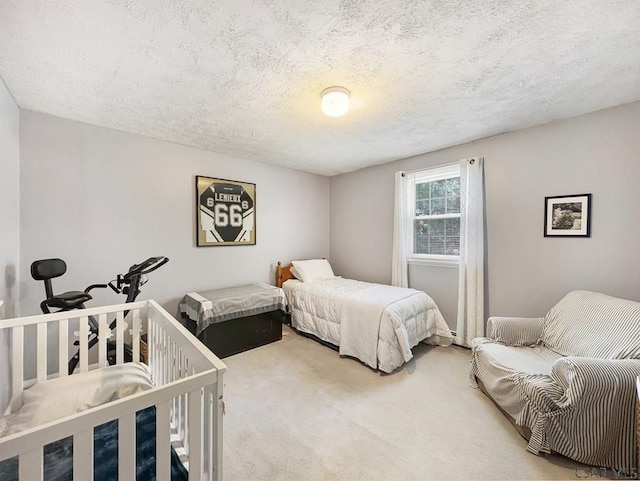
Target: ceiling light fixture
x,y
335,101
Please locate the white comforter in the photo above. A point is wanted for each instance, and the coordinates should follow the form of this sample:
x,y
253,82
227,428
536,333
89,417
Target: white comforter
x,y
375,323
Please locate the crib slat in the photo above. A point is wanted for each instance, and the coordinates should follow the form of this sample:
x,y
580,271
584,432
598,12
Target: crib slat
x,y
135,335
63,347
175,375
127,447
41,356
162,350
207,423
153,350
185,421
184,427
159,354
177,415
174,363
179,405
83,455
17,362
84,343
30,465
163,441
119,337
165,352
103,335
195,436
216,433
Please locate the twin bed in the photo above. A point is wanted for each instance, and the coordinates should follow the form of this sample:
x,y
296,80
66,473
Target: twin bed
x,y
377,324
157,417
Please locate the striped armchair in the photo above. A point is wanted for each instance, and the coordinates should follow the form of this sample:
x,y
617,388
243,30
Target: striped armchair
x,y
567,380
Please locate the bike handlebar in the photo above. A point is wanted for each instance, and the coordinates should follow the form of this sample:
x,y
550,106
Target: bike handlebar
x,y
136,270
150,265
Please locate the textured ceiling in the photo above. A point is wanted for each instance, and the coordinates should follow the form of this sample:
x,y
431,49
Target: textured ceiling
x,y
244,77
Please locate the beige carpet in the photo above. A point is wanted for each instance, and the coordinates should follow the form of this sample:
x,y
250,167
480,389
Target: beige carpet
x,y
296,410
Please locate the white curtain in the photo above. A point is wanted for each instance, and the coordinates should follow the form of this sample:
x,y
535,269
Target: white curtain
x,y
471,277
401,239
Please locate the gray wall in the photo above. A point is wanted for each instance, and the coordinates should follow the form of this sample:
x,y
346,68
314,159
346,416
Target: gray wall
x,y
527,273
9,226
442,285
103,199
9,201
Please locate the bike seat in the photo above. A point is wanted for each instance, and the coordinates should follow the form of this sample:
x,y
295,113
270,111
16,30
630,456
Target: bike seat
x,y
47,269
68,300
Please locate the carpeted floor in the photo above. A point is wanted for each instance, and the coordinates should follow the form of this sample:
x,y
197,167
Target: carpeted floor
x,y
297,411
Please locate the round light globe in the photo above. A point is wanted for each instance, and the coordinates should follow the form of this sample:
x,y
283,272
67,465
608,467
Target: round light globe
x,y
335,101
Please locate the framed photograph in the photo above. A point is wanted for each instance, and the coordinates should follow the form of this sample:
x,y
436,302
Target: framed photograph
x,y
225,212
567,216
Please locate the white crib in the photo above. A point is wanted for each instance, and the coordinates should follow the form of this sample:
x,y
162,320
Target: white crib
x,y
187,396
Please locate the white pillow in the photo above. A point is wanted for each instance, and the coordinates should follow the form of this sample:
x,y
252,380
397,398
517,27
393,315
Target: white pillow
x,y
294,271
313,270
60,397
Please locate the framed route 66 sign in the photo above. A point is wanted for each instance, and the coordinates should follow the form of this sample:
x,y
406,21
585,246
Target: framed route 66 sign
x,y
225,211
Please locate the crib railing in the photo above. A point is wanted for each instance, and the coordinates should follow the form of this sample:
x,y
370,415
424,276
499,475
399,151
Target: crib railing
x,y
188,392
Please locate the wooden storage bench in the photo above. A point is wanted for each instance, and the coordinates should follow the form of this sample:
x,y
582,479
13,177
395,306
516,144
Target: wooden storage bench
x,y
235,319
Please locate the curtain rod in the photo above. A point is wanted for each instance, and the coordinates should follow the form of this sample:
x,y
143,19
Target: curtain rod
x,y
472,161
433,167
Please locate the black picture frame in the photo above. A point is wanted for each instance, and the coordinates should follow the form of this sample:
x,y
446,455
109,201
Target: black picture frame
x,y
567,215
225,212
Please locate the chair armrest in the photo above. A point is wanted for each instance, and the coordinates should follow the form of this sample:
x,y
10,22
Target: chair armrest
x,y
585,380
586,399
515,331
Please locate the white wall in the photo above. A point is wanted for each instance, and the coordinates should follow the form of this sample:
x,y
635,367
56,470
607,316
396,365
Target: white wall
x,y
9,225
9,201
527,273
102,200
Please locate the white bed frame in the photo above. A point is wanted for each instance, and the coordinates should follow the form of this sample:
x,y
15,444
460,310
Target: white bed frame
x,y
187,396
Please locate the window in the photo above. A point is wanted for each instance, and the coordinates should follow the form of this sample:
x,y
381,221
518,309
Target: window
x,y
435,214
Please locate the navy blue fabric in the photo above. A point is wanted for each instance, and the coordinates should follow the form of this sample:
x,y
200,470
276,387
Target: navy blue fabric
x,y
58,456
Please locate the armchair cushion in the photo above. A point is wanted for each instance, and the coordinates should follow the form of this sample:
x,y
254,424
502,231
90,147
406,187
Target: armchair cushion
x,y
505,369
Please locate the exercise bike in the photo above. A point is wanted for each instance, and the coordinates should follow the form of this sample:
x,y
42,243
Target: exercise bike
x,y
128,284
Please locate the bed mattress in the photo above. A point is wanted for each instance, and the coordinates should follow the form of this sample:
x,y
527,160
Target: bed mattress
x,y
374,323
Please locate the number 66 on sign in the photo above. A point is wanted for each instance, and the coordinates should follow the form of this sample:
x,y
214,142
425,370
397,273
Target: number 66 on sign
x,y
226,212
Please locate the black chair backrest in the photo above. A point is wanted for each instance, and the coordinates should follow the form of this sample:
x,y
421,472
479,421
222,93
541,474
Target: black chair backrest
x,y
47,269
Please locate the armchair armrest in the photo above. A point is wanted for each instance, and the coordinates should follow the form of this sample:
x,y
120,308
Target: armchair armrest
x,y
586,379
515,331
589,404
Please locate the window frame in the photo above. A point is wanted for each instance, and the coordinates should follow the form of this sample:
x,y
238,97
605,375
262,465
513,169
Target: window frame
x,y
430,175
